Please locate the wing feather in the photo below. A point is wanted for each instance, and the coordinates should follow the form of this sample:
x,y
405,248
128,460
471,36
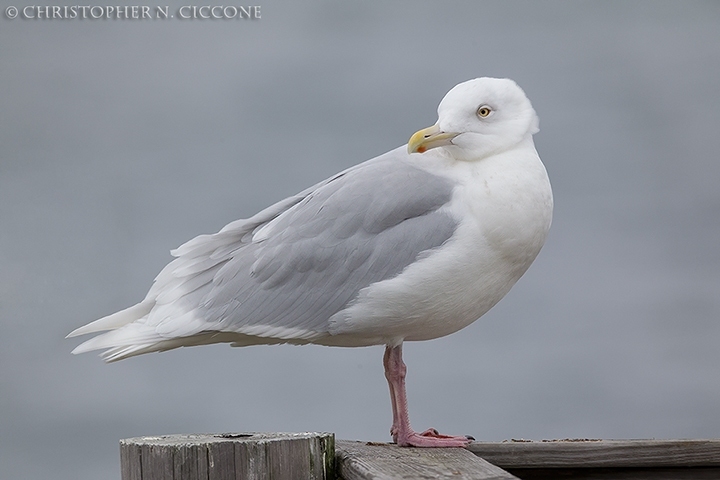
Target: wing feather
x,y
281,274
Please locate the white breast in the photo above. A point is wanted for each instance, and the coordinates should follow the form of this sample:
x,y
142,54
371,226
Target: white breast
x,y
504,207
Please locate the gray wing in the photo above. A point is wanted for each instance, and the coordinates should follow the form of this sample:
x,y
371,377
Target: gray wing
x,y
284,278
281,274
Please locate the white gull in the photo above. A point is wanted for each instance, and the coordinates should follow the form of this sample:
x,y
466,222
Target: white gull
x,y
415,244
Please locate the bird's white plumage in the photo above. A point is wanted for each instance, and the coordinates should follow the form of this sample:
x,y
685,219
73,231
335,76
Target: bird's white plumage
x,y
498,236
406,246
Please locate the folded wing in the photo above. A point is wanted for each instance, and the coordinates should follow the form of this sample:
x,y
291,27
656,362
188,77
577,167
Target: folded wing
x,y
280,275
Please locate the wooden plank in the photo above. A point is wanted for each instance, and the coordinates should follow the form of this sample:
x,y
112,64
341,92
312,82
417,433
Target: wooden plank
x,y
281,456
382,461
672,473
600,453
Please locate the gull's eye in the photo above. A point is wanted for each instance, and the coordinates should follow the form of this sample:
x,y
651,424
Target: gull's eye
x,y
483,111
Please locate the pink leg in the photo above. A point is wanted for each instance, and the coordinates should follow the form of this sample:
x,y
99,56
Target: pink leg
x,y
401,431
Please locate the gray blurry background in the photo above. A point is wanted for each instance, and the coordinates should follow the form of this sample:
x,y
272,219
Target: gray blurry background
x,y
121,139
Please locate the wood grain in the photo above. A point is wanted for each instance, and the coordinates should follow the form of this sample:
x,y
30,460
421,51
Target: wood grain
x,y
670,473
601,453
281,456
380,461
252,456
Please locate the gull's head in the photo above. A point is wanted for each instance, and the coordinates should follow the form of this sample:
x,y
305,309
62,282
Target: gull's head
x,y
479,118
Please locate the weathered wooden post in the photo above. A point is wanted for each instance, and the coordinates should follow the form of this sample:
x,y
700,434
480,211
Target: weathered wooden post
x,y
230,456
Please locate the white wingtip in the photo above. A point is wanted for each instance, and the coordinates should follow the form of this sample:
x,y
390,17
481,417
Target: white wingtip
x,y
131,335
116,320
